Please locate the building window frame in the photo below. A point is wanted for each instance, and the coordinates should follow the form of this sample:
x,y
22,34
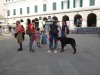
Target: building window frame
x,y
35,8
14,11
28,10
74,3
68,4
54,6
81,3
44,7
62,4
92,2
8,12
21,11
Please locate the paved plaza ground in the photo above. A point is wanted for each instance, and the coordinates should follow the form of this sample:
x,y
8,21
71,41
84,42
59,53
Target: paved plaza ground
x,y
85,62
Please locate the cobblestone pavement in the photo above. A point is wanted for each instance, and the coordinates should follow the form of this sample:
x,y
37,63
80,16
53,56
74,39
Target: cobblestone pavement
x,y
85,62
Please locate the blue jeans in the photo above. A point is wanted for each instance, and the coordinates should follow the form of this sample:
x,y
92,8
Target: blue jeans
x,y
52,38
31,40
63,34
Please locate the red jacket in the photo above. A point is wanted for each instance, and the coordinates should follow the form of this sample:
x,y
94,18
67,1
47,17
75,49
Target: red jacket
x,y
31,28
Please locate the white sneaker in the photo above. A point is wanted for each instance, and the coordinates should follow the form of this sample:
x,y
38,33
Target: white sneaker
x,y
36,47
65,48
55,51
49,51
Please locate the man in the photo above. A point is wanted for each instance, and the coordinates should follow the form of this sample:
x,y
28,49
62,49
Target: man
x,y
53,32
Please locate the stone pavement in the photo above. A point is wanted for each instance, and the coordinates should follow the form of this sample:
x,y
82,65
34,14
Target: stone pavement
x,y
85,62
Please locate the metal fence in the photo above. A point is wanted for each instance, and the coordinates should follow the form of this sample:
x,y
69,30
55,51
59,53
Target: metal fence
x,y
87,30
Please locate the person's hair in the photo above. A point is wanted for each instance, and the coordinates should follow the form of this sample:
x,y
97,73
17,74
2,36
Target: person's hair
x,y
33,21
18,22
38,29
28,21
65,22
21,20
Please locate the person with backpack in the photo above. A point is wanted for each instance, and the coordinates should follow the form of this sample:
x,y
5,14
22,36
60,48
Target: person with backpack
x,y
31,33
53,33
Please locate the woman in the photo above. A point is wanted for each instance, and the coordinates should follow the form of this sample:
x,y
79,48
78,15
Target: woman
x,y
19,34
64,30
32,33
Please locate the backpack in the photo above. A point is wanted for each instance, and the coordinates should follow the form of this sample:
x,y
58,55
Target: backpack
x,y
54,30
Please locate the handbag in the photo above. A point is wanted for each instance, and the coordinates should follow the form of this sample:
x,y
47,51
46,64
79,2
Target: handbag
x,y
15,35
28,32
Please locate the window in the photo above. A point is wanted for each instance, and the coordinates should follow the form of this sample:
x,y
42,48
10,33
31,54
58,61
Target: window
x,y
8,13
68,4
14,11
40,18
49,17
36,9
54,6
92,2
74,3
62,4
81,3
44,7
21,11
6,0
28,10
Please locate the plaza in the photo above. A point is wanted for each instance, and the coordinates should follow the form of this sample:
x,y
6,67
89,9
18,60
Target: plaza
x,y
82,18
84,62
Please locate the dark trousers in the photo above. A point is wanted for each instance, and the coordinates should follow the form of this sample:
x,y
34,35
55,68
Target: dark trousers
x,y
20,45
23,35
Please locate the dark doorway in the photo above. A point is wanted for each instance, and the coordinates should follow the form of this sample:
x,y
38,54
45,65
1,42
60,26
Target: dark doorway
x,y
91,20
78,20
36,23
65,18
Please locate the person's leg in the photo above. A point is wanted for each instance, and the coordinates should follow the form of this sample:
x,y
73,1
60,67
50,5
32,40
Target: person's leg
x,y
31,41
23,35
63,34
51,42
21,46
55,44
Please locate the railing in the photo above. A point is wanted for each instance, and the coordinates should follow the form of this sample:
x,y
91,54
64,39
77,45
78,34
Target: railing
x,y
87,30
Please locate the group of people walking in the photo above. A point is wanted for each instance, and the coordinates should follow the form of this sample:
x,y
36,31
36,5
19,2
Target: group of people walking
x,y
35,35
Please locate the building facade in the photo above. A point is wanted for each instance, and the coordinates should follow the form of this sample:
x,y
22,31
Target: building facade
x,y
77,13
2,11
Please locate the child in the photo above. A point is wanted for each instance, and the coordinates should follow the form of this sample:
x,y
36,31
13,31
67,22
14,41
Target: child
x,y
44,39
38,37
